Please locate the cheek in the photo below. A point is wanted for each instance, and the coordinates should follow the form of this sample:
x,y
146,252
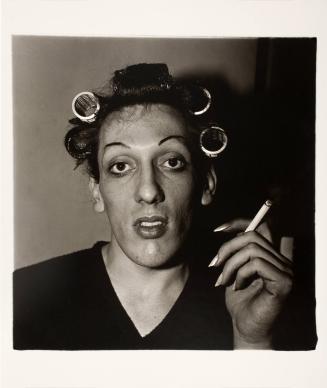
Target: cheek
x,y
182,187
114,199
182,198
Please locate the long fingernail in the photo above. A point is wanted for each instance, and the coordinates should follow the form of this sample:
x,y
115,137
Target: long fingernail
x,y
214,261
219,261
219,281
234,286
222,227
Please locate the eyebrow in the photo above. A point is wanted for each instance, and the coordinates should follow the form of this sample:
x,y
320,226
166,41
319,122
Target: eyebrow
x,y
171,137
118,143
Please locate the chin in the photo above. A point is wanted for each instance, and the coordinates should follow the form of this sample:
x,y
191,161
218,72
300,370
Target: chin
x,y
154,254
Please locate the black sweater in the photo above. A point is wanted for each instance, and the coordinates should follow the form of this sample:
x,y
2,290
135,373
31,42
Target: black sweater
x,y
69,303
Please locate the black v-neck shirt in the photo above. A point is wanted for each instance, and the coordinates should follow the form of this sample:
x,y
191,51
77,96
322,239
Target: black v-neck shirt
x,y
69,303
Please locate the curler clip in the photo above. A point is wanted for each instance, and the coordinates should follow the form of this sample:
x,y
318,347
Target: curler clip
x,y
213,141
85,106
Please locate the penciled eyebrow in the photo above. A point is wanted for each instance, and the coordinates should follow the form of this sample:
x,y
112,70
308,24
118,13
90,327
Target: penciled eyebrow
x,y
120,144
116,143
172,137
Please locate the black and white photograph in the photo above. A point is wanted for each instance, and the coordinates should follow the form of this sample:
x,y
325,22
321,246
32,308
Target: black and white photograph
x,y
200,153
163,171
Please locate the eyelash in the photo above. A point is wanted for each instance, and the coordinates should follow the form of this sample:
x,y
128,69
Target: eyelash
x,y
119,173
180,161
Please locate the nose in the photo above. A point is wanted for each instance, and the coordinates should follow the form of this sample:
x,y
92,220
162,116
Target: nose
x,y
148,188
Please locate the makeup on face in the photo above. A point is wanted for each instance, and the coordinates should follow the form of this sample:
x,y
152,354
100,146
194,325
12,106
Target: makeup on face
x,y
151,227
147,182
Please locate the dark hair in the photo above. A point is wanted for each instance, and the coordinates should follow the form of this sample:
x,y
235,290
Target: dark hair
x,y
138,84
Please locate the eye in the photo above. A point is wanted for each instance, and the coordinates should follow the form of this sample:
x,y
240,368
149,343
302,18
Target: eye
x,y
120,168
174,163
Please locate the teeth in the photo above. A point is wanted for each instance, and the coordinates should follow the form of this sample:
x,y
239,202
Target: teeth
x,y
148,224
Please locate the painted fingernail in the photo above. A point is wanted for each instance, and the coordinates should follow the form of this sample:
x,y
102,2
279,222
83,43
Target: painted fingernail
x,y
222,227
219,261
214,261
219,281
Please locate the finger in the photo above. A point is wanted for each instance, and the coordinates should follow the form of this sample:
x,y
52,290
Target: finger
x,y
287,247
248,253
265,231
237,225
277,283
262,229
232,246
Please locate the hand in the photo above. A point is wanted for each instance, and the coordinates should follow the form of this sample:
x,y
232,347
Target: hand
x,y
257,280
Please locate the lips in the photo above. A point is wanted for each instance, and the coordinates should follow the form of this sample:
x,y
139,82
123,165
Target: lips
x,y
151,226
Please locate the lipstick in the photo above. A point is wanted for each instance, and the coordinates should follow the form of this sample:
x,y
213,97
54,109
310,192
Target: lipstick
x,y
151,227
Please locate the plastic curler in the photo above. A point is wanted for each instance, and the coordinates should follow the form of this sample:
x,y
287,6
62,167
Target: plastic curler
x,y
213,141
85,106
206,95
78,151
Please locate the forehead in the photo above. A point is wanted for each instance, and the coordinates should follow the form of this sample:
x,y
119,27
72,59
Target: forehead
x,y
142,124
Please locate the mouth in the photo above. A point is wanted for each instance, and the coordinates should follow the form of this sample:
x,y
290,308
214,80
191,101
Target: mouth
x,y
151,227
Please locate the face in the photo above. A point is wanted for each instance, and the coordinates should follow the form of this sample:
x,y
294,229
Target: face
x,y
146,183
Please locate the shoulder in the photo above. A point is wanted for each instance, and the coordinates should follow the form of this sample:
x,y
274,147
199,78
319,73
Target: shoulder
x,y
53,279
58,266
46,295
54,276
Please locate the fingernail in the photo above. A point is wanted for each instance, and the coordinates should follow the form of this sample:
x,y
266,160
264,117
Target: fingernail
x,y
214,261
234,286
219,281
219,260
222,227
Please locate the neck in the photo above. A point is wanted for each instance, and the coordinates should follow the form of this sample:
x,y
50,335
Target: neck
x,y
140,279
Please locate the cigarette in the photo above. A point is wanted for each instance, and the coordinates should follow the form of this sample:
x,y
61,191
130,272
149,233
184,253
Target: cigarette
x,y
259,216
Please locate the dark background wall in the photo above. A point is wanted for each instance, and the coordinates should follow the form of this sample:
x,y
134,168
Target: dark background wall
x,y
272,155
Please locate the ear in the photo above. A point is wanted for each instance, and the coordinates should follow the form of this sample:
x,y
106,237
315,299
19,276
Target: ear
x,y
98,204
210,187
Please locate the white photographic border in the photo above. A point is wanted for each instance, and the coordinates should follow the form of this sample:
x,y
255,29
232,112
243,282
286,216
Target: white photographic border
x,y
219,369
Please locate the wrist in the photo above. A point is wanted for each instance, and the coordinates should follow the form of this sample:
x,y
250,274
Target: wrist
x,y
240,343
252,342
